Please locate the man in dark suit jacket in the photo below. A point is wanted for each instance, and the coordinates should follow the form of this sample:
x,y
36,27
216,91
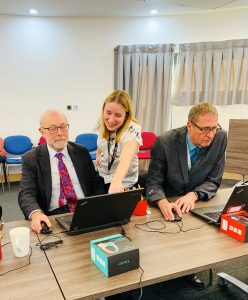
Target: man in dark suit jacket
x,y
171,171
40,183
187,162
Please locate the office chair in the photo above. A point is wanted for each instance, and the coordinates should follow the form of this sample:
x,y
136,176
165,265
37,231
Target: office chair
x,y
42,140
148,142
2,174
224,279
88,140
15,146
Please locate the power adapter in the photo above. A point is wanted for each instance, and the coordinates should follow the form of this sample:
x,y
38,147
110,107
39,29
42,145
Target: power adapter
x,y
49,245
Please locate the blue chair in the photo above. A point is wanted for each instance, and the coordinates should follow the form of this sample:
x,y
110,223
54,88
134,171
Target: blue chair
x,y
15,146
88,140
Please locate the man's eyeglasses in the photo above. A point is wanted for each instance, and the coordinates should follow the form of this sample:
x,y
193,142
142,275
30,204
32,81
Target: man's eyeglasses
x,y
54,129
207,130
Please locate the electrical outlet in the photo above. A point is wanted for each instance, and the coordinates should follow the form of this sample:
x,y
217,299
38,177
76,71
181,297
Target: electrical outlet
x,y
74,107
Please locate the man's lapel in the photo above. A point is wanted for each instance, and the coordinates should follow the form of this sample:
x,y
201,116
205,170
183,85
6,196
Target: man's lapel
x,y
183,156
80,169
45,166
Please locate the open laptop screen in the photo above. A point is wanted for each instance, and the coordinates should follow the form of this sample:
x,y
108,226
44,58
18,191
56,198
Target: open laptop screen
x,y
238,200
101,211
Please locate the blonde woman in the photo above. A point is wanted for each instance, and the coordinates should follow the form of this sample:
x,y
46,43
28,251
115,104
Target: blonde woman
x,y
118,143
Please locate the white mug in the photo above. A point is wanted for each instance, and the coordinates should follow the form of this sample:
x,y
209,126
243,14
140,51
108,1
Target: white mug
x,y
20,239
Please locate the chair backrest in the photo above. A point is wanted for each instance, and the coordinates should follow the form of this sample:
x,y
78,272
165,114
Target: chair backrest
x,y
148,140
237,147
17,144
42,140
88,140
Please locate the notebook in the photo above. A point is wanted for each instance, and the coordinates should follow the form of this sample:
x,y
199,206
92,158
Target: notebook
x,y
237,201
101,211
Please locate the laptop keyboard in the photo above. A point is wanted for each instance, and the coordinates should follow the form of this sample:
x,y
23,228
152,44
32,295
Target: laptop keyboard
x,y
68,222
214,215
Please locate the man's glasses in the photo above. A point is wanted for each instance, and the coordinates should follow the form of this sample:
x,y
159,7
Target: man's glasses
x,y
207,130
54,129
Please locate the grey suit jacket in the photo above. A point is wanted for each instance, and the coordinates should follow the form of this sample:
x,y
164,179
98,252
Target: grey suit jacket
x,y
36,182
168,173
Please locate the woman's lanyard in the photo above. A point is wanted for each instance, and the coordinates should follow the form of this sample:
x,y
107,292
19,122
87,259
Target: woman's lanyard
x,y
110,162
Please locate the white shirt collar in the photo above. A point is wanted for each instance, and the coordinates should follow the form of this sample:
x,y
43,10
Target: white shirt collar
x,y
52,152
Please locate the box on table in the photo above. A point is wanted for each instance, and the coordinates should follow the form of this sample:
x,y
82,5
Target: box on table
x,y
236,225
114,254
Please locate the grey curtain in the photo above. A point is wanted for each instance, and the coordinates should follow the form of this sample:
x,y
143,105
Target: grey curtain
x,y
145,71
216,72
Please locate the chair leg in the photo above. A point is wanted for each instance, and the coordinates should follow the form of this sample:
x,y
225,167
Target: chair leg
x,y
8,179
2,176
224,279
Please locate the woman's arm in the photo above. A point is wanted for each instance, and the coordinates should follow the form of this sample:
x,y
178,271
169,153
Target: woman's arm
x,y
98,155
128,153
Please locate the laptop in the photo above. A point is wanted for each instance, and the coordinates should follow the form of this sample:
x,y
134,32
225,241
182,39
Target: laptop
x,y
237,201
101,211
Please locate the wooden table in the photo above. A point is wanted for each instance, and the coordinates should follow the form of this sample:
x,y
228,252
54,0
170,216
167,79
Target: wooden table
x,y
162,256
35,281
68,269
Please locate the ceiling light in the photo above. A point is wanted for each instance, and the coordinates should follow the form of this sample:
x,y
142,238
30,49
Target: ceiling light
x,y
33,11
153,11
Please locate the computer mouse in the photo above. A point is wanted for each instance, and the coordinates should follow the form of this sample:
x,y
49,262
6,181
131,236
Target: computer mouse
x,y
44,228
177,218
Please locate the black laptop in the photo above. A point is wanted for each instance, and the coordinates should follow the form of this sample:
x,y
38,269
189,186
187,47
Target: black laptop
x,y
237,201
101,211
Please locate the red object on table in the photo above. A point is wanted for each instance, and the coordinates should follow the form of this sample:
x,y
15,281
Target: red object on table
x,y
140,209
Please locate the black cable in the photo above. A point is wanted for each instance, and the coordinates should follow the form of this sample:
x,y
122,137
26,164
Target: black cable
x,y
179,224
141,275
186,230
141,269
123,232
46,246
29,261
6,244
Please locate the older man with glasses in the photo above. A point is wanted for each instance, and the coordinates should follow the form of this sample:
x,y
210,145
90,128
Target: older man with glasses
x,y
55,174
188,163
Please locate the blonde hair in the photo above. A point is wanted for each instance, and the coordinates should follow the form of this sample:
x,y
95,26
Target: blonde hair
x,y
122,98
201,108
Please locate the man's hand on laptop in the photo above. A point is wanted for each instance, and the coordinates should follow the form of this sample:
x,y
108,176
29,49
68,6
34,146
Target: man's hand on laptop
x,y
187,202
36,219
169,210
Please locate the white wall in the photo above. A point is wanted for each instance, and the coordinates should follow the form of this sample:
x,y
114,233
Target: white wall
x,y
180,114
52,62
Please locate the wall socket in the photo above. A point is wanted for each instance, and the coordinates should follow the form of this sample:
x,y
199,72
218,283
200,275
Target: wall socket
x,y
72,107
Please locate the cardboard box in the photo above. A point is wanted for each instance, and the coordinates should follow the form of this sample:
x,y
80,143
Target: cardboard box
x,y
114,254
236,225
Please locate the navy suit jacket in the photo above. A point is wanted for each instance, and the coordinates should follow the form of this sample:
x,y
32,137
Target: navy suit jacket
x,y
36,182
168,173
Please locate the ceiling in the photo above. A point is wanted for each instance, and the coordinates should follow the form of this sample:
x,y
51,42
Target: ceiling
x,y
115,8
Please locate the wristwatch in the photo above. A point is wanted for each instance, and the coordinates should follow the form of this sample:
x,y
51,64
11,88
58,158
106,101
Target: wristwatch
x,y
201,195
